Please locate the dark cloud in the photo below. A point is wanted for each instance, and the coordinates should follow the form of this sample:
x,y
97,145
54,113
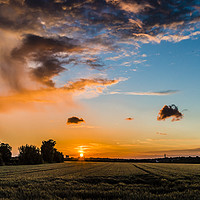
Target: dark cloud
x,y
170,111
129,119
38,3
45,53
15,16
32,45
48,69
74,120
120,18
94,63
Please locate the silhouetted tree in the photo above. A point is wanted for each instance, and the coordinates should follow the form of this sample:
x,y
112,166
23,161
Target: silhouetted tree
x,y
1,160
47,150
49,153
58,156
5,151
30,155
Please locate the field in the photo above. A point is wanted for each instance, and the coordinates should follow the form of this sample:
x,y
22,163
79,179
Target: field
x,y
90,180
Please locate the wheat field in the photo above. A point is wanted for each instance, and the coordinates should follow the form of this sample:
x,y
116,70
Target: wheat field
x,y
96,180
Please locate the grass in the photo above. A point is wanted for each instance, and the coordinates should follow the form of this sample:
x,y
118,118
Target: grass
x,y
84,180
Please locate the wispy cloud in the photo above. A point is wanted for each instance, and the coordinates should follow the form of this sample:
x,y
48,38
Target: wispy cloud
x,y
195,150
160,93
71,126
139,61
159,133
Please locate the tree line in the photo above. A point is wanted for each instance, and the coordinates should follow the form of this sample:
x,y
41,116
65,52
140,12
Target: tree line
x,y
30,154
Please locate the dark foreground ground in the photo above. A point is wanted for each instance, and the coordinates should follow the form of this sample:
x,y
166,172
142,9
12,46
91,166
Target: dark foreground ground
x,y
84,180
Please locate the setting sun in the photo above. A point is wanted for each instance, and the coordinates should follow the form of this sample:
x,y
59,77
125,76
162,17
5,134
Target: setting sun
x,y
81,155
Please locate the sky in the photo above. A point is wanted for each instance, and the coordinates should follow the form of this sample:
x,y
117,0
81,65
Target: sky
x,y
109,78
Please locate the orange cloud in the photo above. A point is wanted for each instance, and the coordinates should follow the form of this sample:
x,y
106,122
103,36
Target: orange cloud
x,y
32,99
129,119
82,83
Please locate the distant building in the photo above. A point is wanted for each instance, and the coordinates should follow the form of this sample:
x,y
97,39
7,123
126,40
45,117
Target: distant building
x,y
67,156
165,156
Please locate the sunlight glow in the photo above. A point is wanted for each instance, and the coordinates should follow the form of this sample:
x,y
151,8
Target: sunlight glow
x,y
81,155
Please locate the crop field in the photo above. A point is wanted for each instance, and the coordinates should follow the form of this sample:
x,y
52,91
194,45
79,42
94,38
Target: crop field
x,y
90,180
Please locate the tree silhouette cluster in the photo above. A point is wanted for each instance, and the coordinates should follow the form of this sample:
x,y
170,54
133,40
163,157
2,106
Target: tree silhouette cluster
x,y
5,153
30,154
49,153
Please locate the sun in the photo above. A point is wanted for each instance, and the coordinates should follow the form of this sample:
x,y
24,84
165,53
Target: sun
x,y
81,155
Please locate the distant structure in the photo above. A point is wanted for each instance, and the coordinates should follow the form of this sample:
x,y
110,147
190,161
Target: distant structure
x,y
67,156
165,156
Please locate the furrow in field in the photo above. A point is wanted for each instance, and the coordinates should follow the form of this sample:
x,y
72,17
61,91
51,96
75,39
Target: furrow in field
x,y
144,169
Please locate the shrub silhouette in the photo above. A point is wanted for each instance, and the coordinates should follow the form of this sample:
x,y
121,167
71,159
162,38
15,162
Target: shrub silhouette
x,y
30,155
5,151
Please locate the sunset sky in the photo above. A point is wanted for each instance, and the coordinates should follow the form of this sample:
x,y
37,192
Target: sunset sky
x,y
95,76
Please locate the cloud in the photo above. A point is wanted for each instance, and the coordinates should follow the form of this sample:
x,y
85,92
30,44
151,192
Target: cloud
x,y
35,99
195,150
46,54
159,133
161,93
83,127
48,69
170,111
82,83
120,18
74,120
42,39
129,119
34,44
